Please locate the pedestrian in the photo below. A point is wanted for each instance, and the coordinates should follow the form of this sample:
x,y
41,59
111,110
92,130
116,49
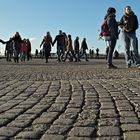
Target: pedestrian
x,y
17,46
61,41
113,34
129,25
47,43
84,47
69,50
9,49
23,50
77,49
97,53
29,56
36,53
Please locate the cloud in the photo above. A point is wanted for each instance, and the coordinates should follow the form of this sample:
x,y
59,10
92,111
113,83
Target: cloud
x,y
33,38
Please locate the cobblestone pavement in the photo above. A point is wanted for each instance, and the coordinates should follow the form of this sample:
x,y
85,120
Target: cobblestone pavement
x,y
69,101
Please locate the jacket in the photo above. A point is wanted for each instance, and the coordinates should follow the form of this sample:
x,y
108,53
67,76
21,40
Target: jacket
x,y
113,26
84,45
129,23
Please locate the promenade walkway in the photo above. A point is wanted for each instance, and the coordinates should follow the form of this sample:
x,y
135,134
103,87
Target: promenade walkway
x,y
69,101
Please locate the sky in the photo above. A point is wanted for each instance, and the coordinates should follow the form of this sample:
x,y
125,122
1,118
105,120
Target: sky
x,y
83,18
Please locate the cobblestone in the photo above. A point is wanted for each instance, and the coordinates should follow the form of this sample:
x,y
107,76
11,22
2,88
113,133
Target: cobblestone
x,y
69,101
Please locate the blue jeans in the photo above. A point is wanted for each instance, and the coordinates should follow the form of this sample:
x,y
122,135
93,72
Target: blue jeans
x,y
60,52
130,42
112,44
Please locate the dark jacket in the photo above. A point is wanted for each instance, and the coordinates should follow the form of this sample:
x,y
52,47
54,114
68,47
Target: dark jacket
x,y
60,40
76,45
84,45
129,22
17,42
113,26
9,45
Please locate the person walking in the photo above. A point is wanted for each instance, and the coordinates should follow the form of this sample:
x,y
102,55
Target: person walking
x,y
29,56
129,25
69,50
97,53
23,50
60,39
84,47
9,49
47,42
77,49
17,46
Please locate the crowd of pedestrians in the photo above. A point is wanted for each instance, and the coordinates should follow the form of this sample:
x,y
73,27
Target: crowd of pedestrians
x,y
21,48
67,49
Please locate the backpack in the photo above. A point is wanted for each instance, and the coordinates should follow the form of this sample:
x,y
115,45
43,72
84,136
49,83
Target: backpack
x,y
104,29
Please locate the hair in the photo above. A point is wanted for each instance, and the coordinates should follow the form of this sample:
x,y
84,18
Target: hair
x,y
111,10
69,36
129,7
60,31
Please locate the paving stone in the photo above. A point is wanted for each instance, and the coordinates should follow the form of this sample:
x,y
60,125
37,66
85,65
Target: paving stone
x,y
108,104
64,121
58,129
109,138
127,114
19,123
109,122
82,131
130,127
4,122
108,113
28,135
134,135
52,137
9,131
73,110
80,138
105,99
85,123
87,115
129,120
125,108
74,105
109,131
69,115
57,108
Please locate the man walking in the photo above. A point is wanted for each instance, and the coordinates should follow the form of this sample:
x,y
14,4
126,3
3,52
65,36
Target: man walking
x,y
60,38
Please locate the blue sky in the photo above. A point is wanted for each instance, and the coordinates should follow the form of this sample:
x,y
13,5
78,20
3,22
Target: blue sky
x,y
83,18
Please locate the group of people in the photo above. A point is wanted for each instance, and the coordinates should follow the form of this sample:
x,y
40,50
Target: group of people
x,y
65,49
18,48
129,25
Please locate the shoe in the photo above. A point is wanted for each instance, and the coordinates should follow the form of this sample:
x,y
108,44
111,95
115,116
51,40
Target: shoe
x,y
111,66
128,66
